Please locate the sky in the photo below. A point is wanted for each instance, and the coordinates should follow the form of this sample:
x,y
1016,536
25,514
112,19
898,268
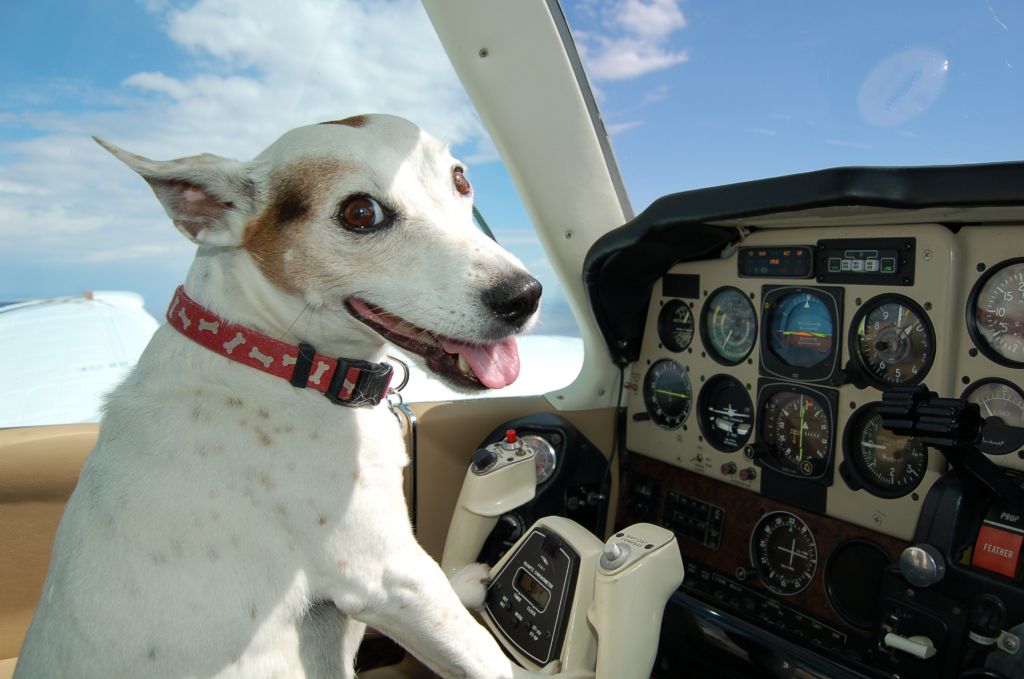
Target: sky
x,y
694,93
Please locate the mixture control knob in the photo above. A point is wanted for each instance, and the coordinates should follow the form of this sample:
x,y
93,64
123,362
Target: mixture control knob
x,y
748,474
483,460
922,565
729,468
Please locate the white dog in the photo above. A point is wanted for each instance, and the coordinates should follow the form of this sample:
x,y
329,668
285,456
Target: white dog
x,y
234,522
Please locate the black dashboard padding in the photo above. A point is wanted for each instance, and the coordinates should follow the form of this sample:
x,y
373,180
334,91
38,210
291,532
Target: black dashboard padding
x,y
622,266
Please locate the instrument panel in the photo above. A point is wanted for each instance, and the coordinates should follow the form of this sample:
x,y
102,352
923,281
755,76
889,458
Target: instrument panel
x,y
768,376
754,411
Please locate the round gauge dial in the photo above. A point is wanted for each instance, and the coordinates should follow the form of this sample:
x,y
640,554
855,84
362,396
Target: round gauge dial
x,y
675,325
784,553
892,341
887,464
797,428
544,457
667,394
1002,407
800,328
995,313
729,326
725,413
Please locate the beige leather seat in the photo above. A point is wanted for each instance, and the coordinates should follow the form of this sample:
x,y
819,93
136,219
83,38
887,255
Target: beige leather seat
x,y
39,467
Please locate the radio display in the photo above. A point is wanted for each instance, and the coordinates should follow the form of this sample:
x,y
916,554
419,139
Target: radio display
x,y
791,261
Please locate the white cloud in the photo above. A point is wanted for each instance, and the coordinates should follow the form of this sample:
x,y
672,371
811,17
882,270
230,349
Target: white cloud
x,y
848,144
618,128
629,38
253,69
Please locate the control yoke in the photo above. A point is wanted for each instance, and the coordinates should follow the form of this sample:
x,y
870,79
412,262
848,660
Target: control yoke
x,y
953,426
560,594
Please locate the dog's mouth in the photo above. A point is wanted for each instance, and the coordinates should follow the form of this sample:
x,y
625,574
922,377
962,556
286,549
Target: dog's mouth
x,y
490,365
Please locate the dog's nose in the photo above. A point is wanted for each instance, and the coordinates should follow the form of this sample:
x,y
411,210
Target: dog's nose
x,y
514,299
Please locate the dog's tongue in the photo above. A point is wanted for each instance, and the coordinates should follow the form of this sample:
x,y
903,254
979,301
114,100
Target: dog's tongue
x,y
495,365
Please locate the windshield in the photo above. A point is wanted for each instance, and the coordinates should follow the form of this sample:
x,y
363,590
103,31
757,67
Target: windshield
x,y
173,79
693,94
698,93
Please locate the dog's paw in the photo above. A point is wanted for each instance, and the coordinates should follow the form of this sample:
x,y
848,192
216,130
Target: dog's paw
x,y
470,583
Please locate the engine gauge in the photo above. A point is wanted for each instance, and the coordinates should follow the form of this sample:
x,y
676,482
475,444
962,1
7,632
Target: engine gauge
x,y
544,457
885,464
675,325
796,427
995,313
728,325
667,394
784,553
892,341
1002,407
725,413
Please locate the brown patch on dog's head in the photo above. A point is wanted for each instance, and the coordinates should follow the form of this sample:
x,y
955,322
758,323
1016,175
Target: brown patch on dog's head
x,y
352,121
271,237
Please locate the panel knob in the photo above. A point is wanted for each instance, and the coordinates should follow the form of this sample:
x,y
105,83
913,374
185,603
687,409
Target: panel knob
x,y
922,565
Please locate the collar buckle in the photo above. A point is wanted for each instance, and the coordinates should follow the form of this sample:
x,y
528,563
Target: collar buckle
x,y
356,383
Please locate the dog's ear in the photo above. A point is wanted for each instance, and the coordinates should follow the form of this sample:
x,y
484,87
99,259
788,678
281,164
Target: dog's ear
x,y
207,197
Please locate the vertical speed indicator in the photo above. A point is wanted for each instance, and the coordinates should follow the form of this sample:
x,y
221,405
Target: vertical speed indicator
x,y
885,464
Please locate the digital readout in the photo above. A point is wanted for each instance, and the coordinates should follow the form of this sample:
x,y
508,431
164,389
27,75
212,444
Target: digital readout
x,y
529,587
794,261
862,261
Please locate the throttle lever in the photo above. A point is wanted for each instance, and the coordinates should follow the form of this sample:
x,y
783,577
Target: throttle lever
x,y
953,426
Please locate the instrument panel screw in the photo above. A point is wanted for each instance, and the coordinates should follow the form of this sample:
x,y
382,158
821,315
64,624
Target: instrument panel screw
x,y
980,267
568,234
927,306
927,255
484,52
972,353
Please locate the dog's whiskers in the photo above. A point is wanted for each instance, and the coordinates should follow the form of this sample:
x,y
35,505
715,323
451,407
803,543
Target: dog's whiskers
x,y
304,310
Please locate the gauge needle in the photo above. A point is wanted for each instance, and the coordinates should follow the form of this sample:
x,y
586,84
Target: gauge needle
x,y
727,338
670,393
792,552
801,443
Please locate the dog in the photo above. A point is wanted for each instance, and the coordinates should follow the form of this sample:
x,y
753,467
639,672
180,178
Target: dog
x,y
242,514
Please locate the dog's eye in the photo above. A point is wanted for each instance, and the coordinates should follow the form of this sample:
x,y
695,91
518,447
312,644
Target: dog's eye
x,y
361,213
461,183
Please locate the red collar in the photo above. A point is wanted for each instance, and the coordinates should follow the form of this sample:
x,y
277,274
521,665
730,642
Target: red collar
x,y
344,381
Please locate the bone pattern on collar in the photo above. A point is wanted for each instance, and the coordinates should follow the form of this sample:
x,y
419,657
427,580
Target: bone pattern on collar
x,y
344,381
